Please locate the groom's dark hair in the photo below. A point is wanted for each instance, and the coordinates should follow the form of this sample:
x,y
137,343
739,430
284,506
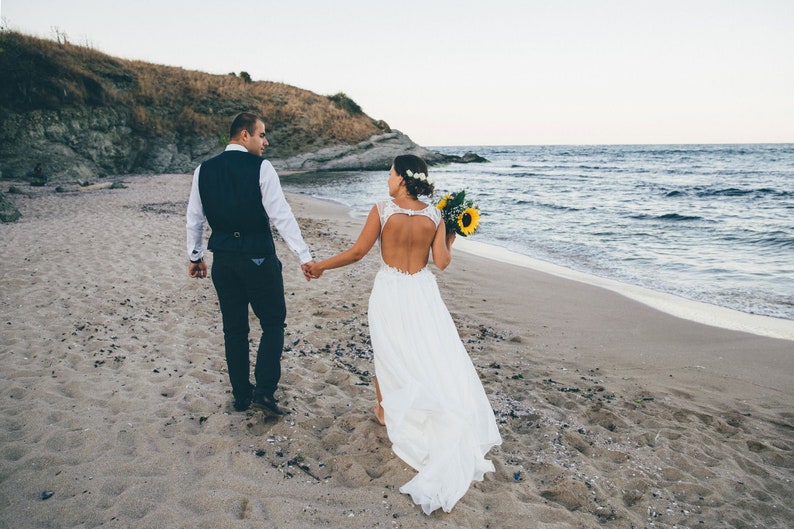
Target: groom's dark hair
x,y
244,121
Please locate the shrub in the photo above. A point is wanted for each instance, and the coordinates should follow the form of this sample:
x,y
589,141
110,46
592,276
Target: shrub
x,y
345,103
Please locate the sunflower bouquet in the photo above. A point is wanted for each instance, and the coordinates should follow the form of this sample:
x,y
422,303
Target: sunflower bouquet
x,y
460,214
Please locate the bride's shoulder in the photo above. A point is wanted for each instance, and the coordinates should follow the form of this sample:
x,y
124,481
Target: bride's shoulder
x,y
387,205
434,213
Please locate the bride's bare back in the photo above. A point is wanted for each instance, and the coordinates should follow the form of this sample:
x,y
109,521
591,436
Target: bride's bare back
x,y
407,230
406,240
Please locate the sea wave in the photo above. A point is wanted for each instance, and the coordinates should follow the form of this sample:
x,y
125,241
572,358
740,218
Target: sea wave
x,y
675,217
738,192
781,241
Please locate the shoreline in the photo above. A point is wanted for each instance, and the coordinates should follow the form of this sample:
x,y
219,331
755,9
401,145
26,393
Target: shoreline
x,y
691,310
579,308
695,311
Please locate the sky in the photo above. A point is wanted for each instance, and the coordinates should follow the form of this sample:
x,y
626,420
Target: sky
x,y
501,72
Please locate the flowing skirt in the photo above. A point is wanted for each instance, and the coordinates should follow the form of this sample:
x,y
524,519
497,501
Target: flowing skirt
x,y
438,417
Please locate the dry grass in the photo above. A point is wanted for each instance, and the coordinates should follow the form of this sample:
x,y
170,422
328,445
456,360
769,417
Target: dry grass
x,y
40,74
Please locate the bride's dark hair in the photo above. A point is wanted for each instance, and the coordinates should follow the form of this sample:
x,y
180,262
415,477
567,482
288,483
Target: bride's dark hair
x,y
415,186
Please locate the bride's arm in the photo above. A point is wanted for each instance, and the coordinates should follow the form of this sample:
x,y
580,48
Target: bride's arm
x,y
362,246
442,247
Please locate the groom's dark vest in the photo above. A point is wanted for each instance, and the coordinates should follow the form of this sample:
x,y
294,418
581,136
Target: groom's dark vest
x,y
232,201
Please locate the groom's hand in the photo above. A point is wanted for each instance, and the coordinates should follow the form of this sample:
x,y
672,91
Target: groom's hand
x,y
197,270
307,270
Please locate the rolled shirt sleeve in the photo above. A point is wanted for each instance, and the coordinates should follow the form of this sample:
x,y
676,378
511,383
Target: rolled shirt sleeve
x,y
280,212
195,221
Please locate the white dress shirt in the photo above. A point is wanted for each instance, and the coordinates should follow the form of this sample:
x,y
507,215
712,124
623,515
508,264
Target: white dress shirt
x,y
273,201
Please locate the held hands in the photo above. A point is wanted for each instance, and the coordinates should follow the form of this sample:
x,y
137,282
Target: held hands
x,y
312,270
306,267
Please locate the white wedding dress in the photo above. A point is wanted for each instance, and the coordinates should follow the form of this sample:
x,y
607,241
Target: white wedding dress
x,y
437,415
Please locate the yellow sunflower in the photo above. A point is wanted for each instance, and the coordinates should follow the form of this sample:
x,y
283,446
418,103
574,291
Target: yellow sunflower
x,y
443,202
468,221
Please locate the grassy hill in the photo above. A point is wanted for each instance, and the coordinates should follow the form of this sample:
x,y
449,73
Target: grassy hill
x,y
57,93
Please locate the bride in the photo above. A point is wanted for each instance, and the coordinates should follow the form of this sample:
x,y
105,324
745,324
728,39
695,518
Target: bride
x,y
430,398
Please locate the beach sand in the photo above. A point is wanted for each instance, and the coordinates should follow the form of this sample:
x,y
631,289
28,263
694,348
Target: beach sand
x,y
116,410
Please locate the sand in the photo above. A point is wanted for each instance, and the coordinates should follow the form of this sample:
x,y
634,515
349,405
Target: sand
x,y
116,410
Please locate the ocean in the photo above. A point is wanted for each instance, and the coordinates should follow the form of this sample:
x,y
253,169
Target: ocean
x,y
709,223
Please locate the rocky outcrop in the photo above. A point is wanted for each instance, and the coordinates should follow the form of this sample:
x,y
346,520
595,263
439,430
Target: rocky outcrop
x,y
469,157
86,144
373,154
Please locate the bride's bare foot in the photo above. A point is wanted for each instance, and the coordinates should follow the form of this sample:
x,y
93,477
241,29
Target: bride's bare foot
x,y
378,411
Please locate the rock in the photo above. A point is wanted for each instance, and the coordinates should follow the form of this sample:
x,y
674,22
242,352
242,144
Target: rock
x,y
158,158
8,209
38,178
94,187
374,154
470,157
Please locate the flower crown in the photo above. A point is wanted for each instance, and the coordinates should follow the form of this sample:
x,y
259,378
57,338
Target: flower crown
x,y
422,177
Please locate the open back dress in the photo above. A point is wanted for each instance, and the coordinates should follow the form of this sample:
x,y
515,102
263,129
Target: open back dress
x,y
437,415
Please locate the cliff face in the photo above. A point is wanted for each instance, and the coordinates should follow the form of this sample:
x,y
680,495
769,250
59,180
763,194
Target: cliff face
x,y
80,114
86,143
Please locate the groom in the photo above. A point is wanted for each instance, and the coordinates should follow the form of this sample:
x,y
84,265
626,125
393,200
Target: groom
x,y
239,194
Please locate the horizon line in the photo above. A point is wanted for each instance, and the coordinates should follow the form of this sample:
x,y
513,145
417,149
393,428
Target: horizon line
x,y
604,144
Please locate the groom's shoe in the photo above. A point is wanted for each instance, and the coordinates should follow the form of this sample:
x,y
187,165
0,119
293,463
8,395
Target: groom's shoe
x,y
267,404
242,402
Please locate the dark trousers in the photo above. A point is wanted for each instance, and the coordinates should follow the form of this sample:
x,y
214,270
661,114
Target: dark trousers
x,y
240,282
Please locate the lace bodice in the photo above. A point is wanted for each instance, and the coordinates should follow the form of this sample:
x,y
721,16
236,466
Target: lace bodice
x,y
387,208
